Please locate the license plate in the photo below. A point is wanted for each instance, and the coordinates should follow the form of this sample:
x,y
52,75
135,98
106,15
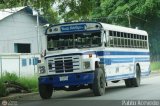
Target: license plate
x,y
63,78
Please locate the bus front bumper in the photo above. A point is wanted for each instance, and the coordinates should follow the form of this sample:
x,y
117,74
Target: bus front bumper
x,y
67,79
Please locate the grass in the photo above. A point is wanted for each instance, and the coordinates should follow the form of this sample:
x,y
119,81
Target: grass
x,y
31,83
3,91
155,66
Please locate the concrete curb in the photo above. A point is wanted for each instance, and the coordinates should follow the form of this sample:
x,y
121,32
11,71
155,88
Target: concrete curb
x,y
17,96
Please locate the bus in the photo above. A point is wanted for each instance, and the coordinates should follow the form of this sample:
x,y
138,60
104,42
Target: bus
x,y
83,55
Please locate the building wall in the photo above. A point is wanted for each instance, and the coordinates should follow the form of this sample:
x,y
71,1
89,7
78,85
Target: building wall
x,y
23,65
19,28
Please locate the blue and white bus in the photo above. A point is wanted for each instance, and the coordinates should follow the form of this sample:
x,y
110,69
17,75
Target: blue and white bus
x,y
90,54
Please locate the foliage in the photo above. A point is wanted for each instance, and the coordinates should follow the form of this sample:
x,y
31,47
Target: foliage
x,y
155,66
30,82
2,88
75,10
10,77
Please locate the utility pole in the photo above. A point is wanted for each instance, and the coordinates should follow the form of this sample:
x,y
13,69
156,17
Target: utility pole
x,y
128,13
129,19
38,35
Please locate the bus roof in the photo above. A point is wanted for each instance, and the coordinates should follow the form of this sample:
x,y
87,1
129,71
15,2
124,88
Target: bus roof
x,y
123,29
104,26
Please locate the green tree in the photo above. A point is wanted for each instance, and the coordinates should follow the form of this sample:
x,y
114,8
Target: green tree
x,y
75,10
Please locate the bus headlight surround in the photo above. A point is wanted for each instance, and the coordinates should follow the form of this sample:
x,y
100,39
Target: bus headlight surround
x,y
42,69
87,65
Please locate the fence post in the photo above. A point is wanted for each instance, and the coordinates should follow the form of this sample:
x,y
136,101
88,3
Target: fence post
x,y
1,66
19,66
34,64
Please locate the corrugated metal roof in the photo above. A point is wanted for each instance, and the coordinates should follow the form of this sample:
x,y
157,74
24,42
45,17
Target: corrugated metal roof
x,y
7,12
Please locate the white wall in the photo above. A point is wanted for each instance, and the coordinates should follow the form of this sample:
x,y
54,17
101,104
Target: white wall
x,y
15,64
19,28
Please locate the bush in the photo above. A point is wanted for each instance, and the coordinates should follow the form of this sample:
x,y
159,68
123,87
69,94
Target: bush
x,y
155,66
10,77
3,91
29,83
7,77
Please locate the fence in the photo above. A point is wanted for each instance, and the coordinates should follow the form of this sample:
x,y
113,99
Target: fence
x,y
21,64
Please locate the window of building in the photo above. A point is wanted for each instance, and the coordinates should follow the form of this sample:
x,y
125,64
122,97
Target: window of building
x,y
22,48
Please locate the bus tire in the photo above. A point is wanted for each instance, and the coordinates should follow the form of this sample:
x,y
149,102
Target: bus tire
x,y
45,91
99,83
136,81
128,82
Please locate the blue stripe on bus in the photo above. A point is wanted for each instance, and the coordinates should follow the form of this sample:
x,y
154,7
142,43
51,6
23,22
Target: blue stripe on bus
x,y
103,53
110,61
126,76
142,59
123,76
121,60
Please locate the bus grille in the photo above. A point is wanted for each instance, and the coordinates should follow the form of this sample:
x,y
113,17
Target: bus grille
x,y
64,64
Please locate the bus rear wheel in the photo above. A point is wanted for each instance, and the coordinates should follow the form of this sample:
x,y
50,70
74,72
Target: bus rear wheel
x,y
99,83
45,91
128,82
134,82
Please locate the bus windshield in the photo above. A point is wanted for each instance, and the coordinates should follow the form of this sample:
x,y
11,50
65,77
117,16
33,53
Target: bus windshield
x,y
67,41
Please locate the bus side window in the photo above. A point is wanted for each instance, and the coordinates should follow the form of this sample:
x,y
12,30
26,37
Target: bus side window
x,y
125,40
111,41
135,41
129,40
132,41
146,42
115,39
118,39
115,42
122,40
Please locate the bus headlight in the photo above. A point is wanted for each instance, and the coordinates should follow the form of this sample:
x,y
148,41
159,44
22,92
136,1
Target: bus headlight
x,y
42,69
87,65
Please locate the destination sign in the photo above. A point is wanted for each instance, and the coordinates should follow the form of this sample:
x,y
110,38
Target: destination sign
x,y
72,28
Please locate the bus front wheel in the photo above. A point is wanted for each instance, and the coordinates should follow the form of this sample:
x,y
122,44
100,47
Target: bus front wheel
x,y
45,91
99,83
